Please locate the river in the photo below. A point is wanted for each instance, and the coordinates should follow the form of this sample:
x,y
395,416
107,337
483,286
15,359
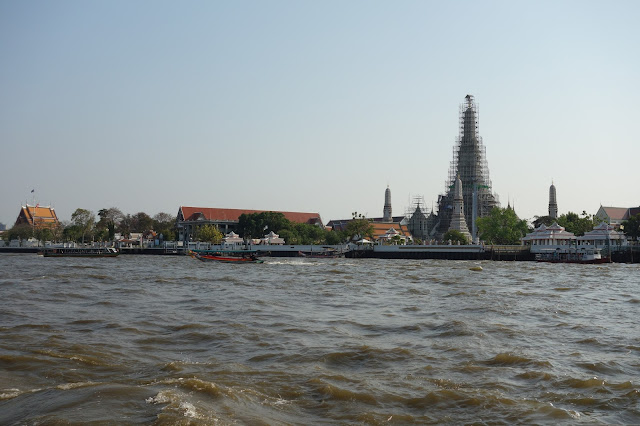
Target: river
x,y
168,339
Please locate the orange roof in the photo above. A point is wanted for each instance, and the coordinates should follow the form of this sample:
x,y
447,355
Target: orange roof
x,y
36,215
381,228
216,214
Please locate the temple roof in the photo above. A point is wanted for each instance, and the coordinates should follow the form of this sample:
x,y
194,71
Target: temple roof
x,y
552,232
37,216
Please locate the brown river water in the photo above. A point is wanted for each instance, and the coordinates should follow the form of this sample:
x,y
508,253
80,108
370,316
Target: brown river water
x,y
170,340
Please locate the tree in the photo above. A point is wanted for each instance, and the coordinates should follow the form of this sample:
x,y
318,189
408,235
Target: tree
x,y
109,219
165,224
578,225
334,237
20,232
546,220
631,227
502,226
125,225
72,233
309,234
209,233
255,225
359,227
455,236
141,222
43,234
83,220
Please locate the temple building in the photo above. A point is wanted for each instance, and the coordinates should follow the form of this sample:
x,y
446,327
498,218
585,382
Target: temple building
x,y
38,217
616,215
458,222
420,222
548,238
470,165
553,205
603,236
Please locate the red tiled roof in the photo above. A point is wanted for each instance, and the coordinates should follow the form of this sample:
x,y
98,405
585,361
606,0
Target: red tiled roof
x,y
217,214
616,213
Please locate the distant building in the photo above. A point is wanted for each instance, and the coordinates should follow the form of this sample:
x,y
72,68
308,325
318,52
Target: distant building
x,y
226,220
602,236
548,237
553,204
385,231
386,211
385,227
458,223
616,215
420,223
38,217
3,227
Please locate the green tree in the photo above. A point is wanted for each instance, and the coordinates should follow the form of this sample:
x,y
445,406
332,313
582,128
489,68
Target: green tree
x,y
165,224
455,236
141,222
546,220
84,220
359,227
309,234
72,233
502,226
256,225
290,236
43,234
20,232
209,233
109,220
631,227
578,225
334,237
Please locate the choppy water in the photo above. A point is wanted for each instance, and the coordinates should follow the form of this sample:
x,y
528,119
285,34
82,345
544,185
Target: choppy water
x,y
151,339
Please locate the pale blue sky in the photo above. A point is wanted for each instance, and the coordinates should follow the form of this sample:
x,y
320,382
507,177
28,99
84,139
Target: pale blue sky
x,y
314,106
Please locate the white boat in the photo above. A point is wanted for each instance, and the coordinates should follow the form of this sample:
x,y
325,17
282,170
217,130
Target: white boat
x,y
572,255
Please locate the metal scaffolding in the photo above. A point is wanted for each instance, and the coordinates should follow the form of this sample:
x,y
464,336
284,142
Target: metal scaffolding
x,y
470,163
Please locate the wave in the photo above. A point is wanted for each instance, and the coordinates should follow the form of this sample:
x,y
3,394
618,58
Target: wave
x,y
510,359
366,356
336,393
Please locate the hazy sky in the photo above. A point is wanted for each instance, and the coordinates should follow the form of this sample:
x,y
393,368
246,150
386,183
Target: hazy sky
x,y
314,106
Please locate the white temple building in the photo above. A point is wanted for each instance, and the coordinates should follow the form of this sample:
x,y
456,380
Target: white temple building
x,y
272,238
603,236
544,238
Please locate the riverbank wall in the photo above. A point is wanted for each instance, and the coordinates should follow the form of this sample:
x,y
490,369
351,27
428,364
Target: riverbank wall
x,y
450,252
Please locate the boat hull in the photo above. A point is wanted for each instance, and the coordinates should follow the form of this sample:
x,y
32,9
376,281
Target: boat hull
x,y
237,258
584,262
79,252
